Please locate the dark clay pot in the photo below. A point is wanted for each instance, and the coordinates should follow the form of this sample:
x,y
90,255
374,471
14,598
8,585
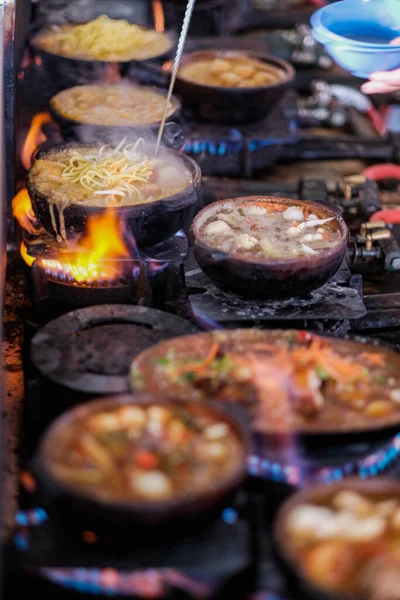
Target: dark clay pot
x,y
233,105
149,223
173,136
267,278
67,72
105,513
320,494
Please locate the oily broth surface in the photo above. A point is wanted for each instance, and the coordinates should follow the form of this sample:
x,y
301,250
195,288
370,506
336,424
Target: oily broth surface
x,y
264,233
46,176
189,456
149,373
231,72
113,105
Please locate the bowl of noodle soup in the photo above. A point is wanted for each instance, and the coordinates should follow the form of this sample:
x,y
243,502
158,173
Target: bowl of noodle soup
x,y
154,196
106,112
80,52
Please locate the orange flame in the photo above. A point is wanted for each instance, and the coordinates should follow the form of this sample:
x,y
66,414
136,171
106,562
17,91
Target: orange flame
x,y
34,138
158,15
23,211
102,247
24,253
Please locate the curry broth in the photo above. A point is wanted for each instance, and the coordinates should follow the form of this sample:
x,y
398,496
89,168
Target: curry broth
x,y
145,453
230,72
344,386
111,105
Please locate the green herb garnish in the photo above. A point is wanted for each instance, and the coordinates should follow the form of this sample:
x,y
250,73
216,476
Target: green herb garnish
x,y
380,379
164,361
223,364
322,373
136,379
189,377
186,418
241,212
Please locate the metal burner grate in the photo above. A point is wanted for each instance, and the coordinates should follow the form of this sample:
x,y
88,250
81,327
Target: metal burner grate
x,y
154,278
90,350
338,300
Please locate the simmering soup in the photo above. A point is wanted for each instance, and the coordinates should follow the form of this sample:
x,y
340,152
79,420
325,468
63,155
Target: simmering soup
x,y
230,72
261,230
148,453
349,544
118,105
105,177
104,39
288,380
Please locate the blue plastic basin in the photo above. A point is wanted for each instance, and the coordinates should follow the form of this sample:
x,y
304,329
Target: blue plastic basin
x,y
357,33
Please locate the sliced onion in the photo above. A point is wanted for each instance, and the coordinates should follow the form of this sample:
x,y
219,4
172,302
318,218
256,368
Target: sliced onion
x,y
307,250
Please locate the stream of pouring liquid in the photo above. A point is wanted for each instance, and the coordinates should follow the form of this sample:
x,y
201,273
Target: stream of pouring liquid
x,y
178,56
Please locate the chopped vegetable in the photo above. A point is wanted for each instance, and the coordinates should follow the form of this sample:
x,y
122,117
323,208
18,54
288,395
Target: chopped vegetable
x,y
329,383
146,460
158,451
259,229
347,543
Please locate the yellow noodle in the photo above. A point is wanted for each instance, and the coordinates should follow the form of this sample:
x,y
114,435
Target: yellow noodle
x,y
104,36
117,170
102,39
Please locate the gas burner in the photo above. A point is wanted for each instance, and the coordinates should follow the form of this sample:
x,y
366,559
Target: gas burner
x,y
54,280
326,461
153,278
90,350
335,303
225,150
200,566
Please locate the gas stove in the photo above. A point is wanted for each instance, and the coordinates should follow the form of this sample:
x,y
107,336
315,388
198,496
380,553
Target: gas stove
x,y
309,124
70,338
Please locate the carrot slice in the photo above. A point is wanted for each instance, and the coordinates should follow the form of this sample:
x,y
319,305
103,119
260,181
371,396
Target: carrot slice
x,y
197,367
373,358
146,460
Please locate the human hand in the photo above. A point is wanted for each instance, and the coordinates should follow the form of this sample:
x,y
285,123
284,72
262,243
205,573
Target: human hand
x,y
383,82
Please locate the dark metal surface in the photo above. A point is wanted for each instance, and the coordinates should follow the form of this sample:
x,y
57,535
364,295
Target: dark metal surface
x,y
90,350
339,299
217,562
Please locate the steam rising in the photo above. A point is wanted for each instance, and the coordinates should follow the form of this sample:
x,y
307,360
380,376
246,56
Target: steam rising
x,y
173,136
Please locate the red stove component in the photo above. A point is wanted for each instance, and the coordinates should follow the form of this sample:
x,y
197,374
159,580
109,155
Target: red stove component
x,y
382,171
390,216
